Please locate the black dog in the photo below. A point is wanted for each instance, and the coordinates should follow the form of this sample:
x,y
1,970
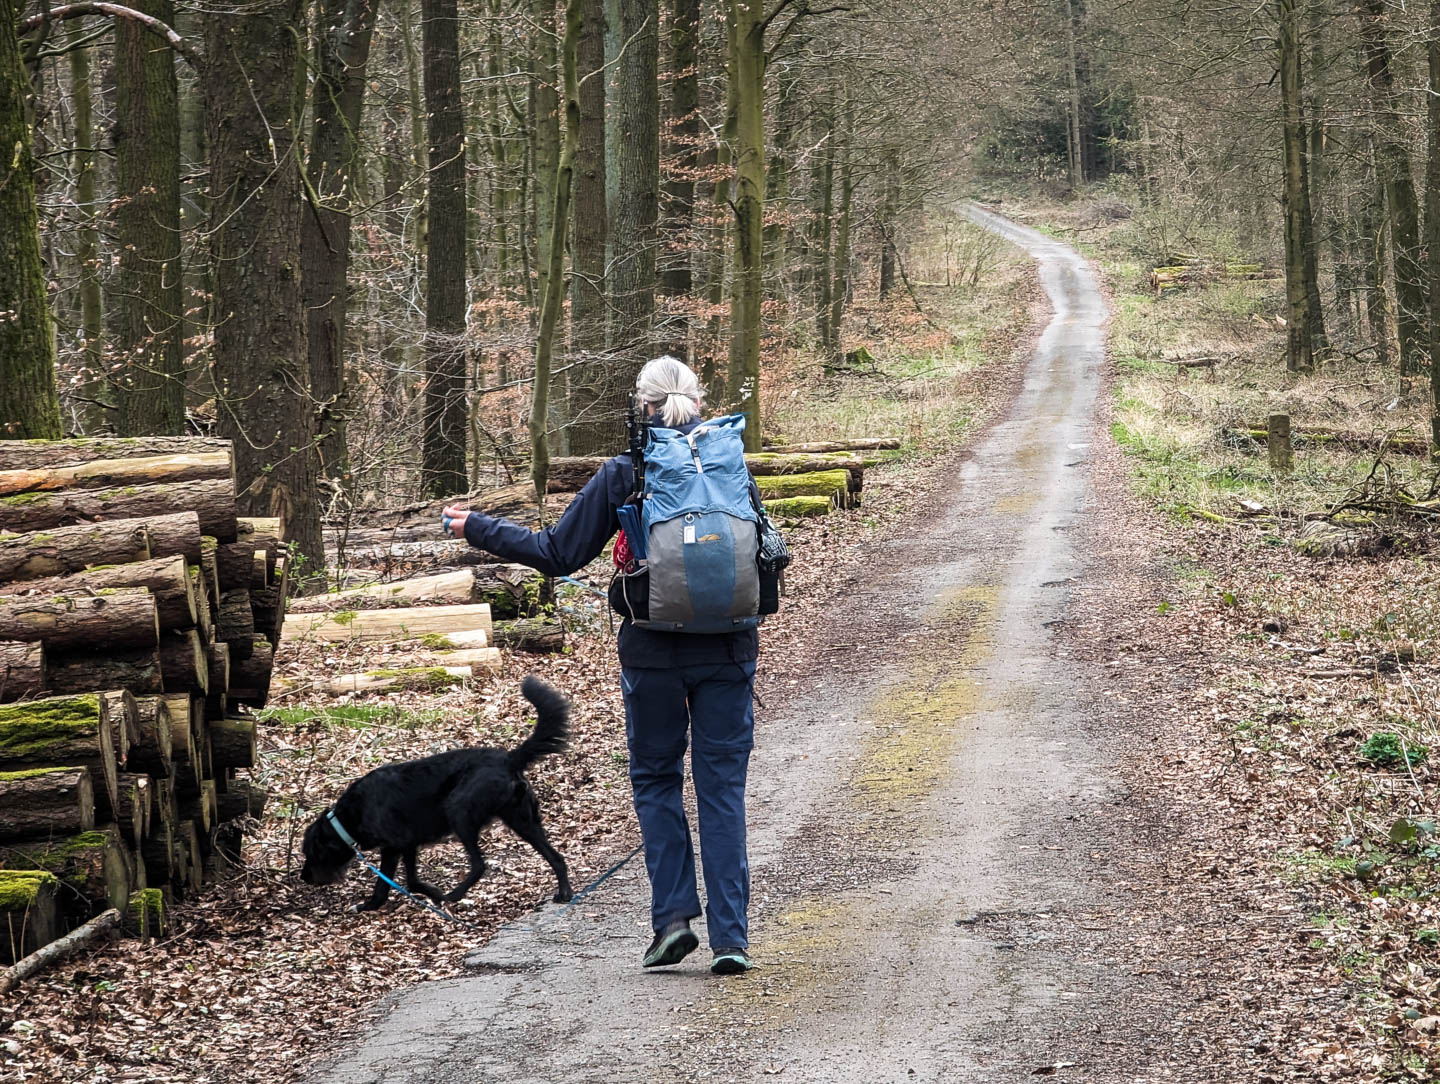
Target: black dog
x,y
401,807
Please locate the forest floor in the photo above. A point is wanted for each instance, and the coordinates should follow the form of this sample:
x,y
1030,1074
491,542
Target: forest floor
x,y
261,975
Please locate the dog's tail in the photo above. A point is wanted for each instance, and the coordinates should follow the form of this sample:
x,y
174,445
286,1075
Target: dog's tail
x,y
552,728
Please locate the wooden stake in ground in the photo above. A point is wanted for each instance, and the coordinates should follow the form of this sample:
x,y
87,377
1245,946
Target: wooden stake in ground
x,y
1277,440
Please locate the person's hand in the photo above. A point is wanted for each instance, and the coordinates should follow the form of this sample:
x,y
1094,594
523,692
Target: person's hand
x,y
452,520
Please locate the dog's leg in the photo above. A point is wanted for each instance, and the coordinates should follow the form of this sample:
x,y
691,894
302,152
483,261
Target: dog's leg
x,y
477,870
389,859
525,823
413,881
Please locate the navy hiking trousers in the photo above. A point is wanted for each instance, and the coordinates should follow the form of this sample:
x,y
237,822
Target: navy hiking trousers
x,y
711,704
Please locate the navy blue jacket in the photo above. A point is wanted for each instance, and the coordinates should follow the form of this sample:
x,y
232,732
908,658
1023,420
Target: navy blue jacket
x,y
577,539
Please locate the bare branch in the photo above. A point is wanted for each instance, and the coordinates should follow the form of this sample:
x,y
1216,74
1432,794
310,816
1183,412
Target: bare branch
x,y
116,11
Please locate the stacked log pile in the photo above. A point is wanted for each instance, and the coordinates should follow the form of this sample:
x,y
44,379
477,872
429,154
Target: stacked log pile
x,y
139,615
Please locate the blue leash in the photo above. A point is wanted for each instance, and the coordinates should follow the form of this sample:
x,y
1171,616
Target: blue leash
x,y
425,903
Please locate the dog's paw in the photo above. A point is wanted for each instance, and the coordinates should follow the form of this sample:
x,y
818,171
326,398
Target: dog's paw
x,y
365,906
563,895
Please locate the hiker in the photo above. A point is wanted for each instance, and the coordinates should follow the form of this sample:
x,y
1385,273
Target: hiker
x,y
676,684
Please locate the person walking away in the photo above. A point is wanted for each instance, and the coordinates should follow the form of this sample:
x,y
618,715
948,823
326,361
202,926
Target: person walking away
x,y
678,687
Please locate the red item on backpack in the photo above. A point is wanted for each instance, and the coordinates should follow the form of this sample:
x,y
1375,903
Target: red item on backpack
x,y
620,554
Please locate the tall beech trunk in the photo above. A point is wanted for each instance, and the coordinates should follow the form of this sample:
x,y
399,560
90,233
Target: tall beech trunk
x,y
148,314
554,297
677,277
840,291
254,95
635,179
29,406
94,386
747,71
596,400
1432,219
1302,345
823,221
544,132
1370,231
889,213
443,462
1393,163
342,53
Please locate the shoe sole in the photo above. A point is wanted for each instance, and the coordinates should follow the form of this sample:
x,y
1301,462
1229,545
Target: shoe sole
x,y
729,965
673,949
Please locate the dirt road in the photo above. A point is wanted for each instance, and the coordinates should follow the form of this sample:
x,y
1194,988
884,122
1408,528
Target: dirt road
x,y
924,818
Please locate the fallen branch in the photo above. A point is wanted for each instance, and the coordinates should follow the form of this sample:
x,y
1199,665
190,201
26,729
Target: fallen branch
x,y
58,949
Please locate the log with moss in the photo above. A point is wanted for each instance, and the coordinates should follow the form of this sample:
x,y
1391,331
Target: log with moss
x,y
510,590
184,667
118,473
858,444
64,550
799,507
29,912
529,634
815,484
95,868
119,616
66,730
83,671
250,677
1319,436
22,670
406,623
46,802
425,679
46,454
213,501
167,579
174,533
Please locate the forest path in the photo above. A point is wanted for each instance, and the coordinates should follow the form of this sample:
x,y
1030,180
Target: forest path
x,y
924,824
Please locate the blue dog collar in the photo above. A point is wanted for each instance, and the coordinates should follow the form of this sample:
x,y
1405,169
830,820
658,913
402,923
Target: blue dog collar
x,y
345,837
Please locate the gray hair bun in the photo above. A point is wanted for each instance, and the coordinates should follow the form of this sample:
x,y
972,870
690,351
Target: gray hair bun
x,y
672,388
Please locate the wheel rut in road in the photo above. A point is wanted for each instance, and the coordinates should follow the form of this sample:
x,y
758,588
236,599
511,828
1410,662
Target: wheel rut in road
x,y
921,817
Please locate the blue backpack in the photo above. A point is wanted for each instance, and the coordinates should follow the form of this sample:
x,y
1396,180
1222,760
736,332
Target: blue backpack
x,y
699,534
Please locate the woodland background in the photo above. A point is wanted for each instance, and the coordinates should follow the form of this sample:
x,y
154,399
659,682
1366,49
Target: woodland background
x,y
399,251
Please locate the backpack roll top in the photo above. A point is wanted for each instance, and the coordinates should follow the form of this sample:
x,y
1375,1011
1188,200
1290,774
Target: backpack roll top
x,y
701,529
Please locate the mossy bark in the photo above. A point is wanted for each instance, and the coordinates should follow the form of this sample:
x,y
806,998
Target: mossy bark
x,y
799,507
94,867
816,484
70,730
29,406
29,916
46,802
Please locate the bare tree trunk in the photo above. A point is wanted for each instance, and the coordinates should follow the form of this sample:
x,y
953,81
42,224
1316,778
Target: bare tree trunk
x,y
888,215
594,400
443,461
254,94
1393,163
1371,229
342,48
148,314
823,220
677,278
29,407
553,299
1301,347
635,184
1432,219
747,70
840,292
94,387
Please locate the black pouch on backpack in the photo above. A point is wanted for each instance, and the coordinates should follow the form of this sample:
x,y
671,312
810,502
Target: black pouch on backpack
x,y
771,558
630,594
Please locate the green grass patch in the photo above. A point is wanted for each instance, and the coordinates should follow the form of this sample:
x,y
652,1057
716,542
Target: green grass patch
x,y
353,716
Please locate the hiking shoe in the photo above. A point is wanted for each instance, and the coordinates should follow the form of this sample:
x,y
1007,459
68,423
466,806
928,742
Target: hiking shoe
x,y
730,961
671,945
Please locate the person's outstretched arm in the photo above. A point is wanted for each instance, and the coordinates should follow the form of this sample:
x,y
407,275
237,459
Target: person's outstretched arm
x,y
572,543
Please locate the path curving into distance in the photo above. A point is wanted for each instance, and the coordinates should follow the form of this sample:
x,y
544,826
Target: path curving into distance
x,y
919,842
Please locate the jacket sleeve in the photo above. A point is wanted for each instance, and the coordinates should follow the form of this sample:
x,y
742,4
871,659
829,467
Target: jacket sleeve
x,y
572,543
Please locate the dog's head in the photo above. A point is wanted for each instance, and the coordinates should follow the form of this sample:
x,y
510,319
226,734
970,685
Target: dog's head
x,y
327,856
